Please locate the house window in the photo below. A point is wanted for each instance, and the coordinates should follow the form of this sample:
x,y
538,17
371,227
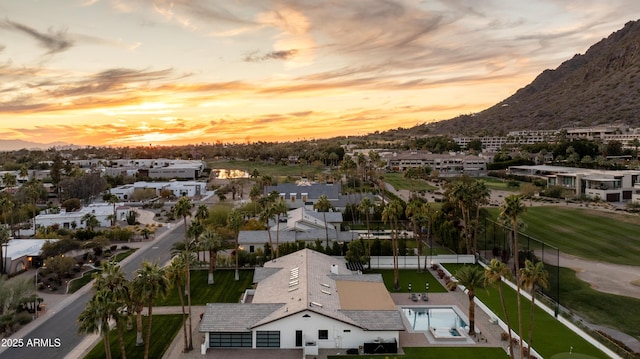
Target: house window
x,y
268,339
252,249
323,334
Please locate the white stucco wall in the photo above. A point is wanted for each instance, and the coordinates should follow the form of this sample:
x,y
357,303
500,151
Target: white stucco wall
x,y
338,338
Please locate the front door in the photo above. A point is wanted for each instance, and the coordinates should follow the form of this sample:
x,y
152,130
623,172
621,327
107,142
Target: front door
x,y
298,338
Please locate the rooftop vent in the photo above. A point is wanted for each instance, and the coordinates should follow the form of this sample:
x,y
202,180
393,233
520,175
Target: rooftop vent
x,y
334,269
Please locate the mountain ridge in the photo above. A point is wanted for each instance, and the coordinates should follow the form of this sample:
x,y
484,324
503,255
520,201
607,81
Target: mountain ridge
x,y
601,86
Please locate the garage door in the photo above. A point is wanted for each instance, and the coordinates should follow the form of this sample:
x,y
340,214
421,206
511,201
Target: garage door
x,y
230,340
268,339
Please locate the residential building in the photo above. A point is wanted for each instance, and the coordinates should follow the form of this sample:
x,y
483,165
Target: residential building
x,y
610,186
308,301
447,164
102,212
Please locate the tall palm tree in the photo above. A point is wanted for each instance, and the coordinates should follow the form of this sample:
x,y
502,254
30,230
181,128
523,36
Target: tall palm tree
x,y
512,209
94,318
460,194
471,277
152,282
7,204
211,241
5,236
265,215
182,209
391,214
90,221
202,213
235,221
480,195
112,279
533,276
279,208
176,274
416,210
365,207
493,275
324,205
113,200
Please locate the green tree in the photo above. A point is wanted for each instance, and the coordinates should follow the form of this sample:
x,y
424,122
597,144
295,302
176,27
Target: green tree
x,y
7,205
182,209
235,221
391,214
279,208
211,241
365,207
471,277
5,236
112,279
512,209
493,275
112,199
94,318
533,276
265,215
176,274
90,221
416,210
324,205
151,281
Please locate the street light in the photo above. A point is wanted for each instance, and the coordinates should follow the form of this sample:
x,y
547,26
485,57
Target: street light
x,y
426,288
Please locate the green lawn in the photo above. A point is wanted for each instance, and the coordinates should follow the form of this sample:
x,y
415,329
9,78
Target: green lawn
x,y
437,352
82,281
399,182
225,289
550,337
266,169
590,234
605,309
493,183
417,280
163,331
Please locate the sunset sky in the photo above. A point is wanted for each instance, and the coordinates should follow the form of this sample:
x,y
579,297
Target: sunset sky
x,y
127,73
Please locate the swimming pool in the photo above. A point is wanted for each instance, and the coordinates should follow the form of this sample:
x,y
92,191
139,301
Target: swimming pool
x,y
427,318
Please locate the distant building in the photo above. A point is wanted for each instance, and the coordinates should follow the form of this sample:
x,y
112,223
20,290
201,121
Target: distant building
x,y
447,164
610,186
178,188
102,212
22,254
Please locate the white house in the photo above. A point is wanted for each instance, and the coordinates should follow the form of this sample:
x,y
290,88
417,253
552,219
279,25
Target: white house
x,y
308,301
102,211
19,254
178,188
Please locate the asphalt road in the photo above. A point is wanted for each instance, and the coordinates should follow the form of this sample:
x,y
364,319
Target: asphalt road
x,y
58,335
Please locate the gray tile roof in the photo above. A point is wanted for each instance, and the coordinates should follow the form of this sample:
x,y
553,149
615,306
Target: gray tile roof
x,y
313,190
235,317
376,319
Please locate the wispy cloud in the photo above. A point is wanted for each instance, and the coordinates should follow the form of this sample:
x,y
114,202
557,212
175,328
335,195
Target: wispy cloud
x,y
54,41
254,56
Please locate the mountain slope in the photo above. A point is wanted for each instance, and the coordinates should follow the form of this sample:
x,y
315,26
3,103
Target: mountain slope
x,y
600,87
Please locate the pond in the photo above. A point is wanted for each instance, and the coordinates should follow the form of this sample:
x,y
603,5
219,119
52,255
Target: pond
x,y
229,173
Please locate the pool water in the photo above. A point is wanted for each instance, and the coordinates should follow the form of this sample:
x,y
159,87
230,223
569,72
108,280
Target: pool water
x,y
424,318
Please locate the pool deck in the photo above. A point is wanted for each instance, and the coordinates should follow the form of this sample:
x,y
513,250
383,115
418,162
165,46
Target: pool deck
x,y
489,332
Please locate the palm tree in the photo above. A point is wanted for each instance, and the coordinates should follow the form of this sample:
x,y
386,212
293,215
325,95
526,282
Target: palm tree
x,y
5,236
90,221
182,209
512,209
112,279
176,274
391,214
234,221
471,277
533,276
279,208
152,282
365,206
493,275
94,318
324,205
113,200
202,213
265,216
6,203
211,241
460,194
416,210
480,195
